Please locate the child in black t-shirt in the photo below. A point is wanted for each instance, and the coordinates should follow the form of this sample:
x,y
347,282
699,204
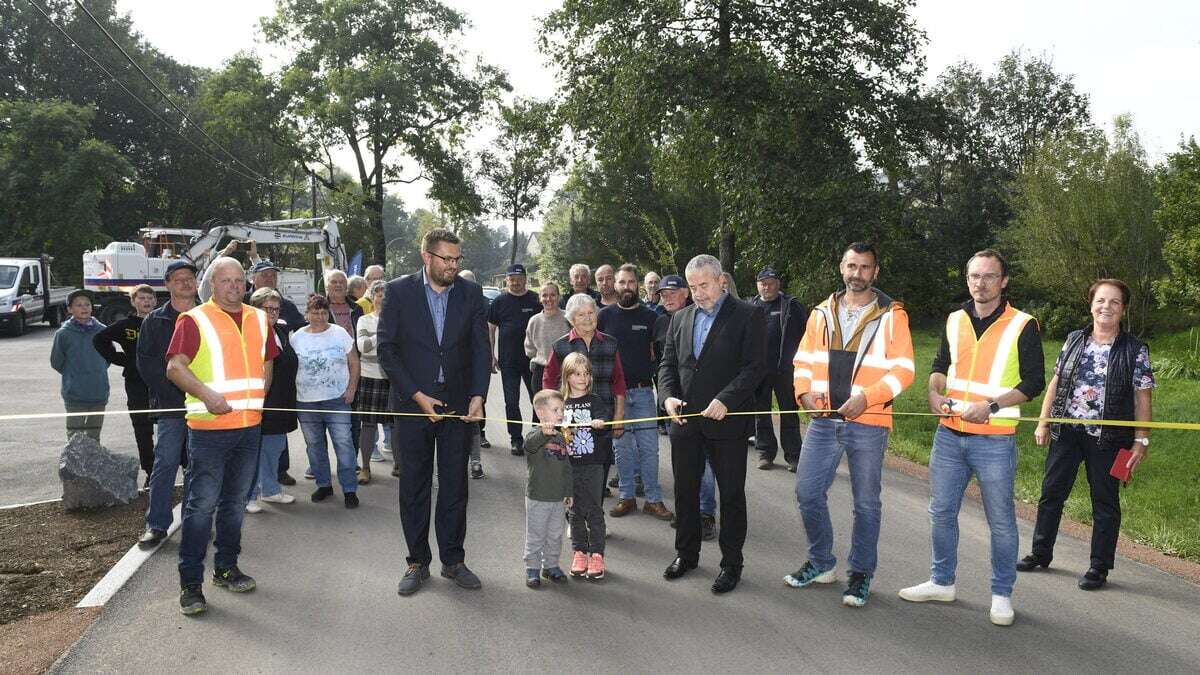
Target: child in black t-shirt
x,y
591,449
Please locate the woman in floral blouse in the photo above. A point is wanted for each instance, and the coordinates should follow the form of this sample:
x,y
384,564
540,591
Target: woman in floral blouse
x,y
1103,373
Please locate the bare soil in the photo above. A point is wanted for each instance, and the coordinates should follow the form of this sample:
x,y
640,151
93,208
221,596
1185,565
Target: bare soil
x,y
51,558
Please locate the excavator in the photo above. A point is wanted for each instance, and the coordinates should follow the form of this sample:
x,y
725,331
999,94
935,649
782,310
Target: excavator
x,y
111,272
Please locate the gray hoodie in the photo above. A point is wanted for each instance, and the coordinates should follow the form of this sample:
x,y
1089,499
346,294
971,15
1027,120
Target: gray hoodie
x,y
84,372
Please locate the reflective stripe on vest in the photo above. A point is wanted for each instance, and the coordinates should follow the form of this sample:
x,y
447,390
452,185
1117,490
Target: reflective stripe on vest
x,y
984,368
230,362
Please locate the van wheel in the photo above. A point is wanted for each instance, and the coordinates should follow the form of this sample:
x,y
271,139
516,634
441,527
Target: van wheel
x,y
17,329
56,317
115,310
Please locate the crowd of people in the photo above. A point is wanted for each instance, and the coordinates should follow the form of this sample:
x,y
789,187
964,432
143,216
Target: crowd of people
x,y
230,376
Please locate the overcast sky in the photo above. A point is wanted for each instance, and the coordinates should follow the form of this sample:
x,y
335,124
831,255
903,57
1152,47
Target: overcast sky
x,y
1135,57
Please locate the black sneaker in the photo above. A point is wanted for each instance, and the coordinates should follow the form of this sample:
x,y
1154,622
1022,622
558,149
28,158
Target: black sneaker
x,y
615,481
518,447
191,601
351,499
476,470
322,493
708,527
484,442
233,579
285,478
858,590
151,538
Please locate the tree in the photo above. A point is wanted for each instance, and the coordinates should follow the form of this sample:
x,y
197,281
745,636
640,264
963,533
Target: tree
x,y
1177,186
56,177
1085,211
377,77
524,159
754,84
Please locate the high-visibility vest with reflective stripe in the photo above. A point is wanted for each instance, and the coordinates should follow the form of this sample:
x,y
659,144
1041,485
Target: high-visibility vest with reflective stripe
x,y
230,362
983,368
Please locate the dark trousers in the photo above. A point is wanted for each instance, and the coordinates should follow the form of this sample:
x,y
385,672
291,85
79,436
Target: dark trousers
x,y
418,444
728,460
138,398
535,377
587,515
285,462
1062,464
781,385
511,377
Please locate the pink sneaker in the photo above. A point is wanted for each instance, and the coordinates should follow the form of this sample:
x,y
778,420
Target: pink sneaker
x,y
595,568
579,564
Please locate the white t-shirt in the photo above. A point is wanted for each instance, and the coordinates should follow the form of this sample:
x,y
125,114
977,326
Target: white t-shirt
x,y
368,345
324,369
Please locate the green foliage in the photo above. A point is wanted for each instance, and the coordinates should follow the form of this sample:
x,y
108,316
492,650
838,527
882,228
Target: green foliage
x,y
1085,212
1177,186
56,178
523,158
379,78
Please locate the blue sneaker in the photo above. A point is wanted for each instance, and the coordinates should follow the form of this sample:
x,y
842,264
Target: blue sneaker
x,y
809,574
858,590
531,578
555,574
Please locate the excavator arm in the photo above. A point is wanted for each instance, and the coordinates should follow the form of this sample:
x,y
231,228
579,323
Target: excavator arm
x,y
320,231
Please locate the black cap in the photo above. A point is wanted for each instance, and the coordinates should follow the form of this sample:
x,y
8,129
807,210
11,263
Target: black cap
x,y
179,265
263,264
767,273
671,282
515,269
80,292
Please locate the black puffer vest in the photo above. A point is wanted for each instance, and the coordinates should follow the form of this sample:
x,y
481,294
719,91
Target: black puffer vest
x,y
1118,386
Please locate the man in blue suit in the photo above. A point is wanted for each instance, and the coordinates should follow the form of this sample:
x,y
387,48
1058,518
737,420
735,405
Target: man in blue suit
x,y
433,345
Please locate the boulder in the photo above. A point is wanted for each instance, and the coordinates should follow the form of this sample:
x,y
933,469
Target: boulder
x,y
93,477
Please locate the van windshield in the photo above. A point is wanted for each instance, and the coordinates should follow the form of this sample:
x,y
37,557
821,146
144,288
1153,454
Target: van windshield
x,y
8,276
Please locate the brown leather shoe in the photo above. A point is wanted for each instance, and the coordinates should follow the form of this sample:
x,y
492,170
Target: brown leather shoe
x,y
623,507
658,510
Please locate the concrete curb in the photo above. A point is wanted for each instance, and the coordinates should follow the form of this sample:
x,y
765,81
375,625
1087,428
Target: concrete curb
x,y
125,568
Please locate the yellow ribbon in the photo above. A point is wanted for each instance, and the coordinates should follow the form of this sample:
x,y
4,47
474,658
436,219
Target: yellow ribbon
x,y
1186,426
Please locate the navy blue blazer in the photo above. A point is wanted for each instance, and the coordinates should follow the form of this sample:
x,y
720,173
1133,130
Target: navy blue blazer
x,y
411,355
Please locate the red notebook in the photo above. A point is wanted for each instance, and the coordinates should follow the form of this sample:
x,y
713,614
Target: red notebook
x,y
1120,468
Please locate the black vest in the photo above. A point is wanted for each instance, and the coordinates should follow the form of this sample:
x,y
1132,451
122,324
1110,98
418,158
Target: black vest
x,y
1118,386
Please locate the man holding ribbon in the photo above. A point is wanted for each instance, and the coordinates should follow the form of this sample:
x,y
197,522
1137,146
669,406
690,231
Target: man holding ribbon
x,y
990,361
855,358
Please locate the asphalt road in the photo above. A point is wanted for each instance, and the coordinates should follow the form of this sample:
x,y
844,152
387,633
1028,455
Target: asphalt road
x,y
326,600
29,449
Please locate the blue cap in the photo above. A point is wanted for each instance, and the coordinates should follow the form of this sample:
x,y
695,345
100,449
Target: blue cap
x,y
767,273
263,264
179,265
515,269
671,282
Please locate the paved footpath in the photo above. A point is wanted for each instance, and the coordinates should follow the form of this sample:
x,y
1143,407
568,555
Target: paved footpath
x,y
326,600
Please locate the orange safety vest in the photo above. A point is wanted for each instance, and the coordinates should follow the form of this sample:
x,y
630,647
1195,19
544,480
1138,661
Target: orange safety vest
x,y
883,356
983,368
230,362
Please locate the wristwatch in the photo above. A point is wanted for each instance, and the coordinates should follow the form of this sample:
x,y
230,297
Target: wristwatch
x,y
994,407
1143,440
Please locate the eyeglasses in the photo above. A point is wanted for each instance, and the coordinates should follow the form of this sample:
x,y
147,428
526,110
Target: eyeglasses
x,y
453,261
270,308
988,277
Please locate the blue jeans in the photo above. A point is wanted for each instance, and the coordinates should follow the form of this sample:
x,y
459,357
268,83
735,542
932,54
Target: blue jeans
x,y
993,461
637,449
314,425
170,448
269,450
863,445
708,491
221,467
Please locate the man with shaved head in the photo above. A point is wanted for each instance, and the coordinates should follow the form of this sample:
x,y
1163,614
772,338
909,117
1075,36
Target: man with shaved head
x,y
606,283
220,357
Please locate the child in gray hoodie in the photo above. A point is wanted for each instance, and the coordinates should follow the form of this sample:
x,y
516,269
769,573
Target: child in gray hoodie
x,y
84,371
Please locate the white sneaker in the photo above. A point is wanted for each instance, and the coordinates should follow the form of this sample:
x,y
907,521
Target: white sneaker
x,y
928,591
253,506
1002,613
281,498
